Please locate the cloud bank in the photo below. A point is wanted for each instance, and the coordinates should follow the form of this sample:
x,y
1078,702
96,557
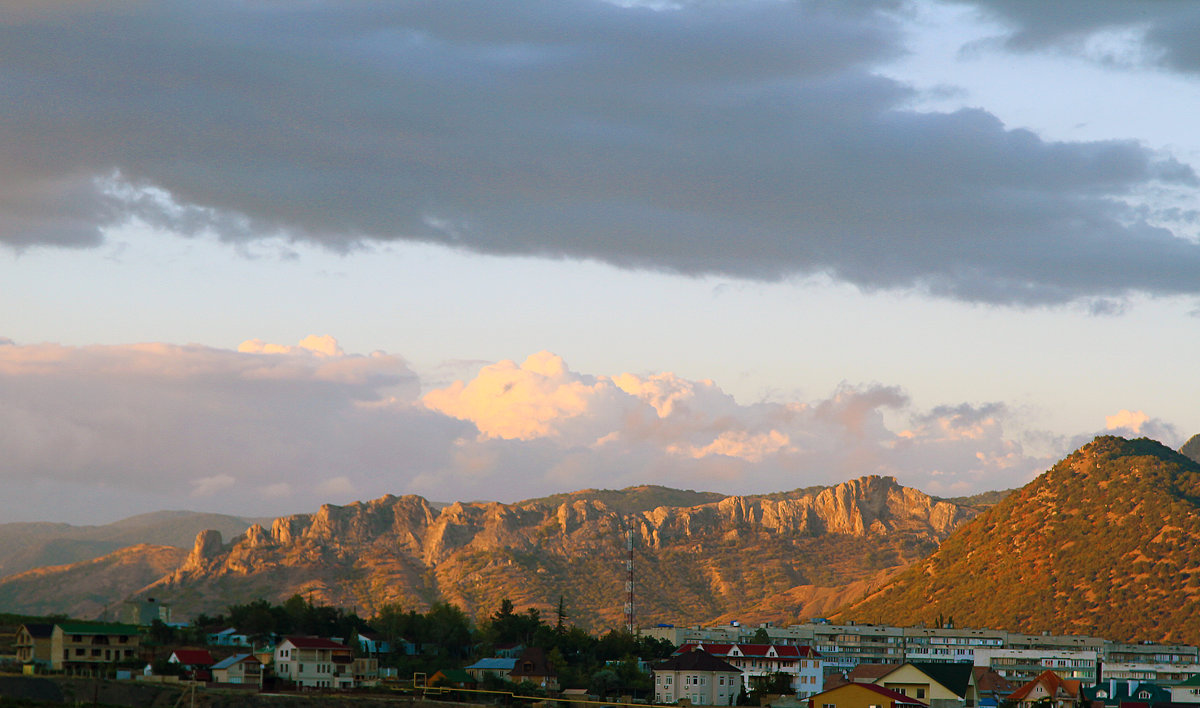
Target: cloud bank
x,y
745,139
94,433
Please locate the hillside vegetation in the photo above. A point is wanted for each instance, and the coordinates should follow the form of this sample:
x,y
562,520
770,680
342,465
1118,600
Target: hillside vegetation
x,y
1105,543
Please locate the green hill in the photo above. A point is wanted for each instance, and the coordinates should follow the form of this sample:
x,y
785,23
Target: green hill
x,y
1105,543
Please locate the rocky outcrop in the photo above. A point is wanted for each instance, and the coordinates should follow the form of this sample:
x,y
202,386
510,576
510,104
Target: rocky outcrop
x,y
694,559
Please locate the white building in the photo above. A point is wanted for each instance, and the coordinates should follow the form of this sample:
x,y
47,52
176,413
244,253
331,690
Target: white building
x,y
802,664
312,662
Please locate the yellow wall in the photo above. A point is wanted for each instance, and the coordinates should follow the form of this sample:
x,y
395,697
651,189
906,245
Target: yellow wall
x,y
851,695
910,678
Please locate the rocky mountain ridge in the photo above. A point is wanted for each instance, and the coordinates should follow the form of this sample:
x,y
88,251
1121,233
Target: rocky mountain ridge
x,y
771,556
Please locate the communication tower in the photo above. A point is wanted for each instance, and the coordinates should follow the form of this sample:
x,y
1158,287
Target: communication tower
x,y
630,624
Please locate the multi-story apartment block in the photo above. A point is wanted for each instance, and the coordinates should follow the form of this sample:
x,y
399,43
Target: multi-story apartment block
x,y
92,647
1024,665
845,646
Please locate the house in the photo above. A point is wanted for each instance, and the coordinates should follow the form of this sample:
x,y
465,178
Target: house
x,y
33,644
312,662
196,663
366,671
1186,691
238,669
452,678
373,644
229,637
1048,690
699,677
492,666
939,684
991,689
862,695
532,666
801,663
1114,694
92,647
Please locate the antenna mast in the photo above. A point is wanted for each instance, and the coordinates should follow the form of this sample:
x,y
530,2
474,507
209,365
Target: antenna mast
x,y
629,606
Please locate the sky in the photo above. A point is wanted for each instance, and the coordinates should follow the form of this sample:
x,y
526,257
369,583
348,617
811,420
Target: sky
x,y
259,256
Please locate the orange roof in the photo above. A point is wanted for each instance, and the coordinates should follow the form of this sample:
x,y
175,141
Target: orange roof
x,y
1052,682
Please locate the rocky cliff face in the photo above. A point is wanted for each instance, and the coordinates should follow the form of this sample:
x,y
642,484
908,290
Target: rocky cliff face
x,y
746,555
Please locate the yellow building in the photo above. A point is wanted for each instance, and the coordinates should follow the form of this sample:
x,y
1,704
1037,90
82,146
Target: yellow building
x,y
941,685
92,647
862,695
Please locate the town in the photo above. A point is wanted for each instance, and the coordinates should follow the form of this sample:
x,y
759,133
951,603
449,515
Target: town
x,y
518,656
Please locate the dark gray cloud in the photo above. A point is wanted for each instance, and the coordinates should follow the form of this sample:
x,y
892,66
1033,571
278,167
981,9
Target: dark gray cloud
x,y
744,139
1167,28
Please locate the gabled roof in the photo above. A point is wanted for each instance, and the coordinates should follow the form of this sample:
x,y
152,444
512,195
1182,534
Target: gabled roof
x,y
127,630
1193,682
314,643
896,697
867,673
235,659
955,676
714,649
532,662
698,660
193,657
1052,682
1124,691
986,679
39,630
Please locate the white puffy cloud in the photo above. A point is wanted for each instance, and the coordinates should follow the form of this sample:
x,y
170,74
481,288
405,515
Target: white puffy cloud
x,y
1140,424
273,429
628,429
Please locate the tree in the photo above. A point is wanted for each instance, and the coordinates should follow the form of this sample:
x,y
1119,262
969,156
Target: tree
x,y
604,682
560,624
761,636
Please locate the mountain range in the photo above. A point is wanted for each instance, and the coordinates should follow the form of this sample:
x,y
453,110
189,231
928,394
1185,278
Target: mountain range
x,y
697,556
1107,543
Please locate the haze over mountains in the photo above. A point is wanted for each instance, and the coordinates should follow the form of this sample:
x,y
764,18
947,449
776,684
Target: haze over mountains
x,y
1106,543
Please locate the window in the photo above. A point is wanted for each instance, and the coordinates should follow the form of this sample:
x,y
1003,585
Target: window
x,y
920,693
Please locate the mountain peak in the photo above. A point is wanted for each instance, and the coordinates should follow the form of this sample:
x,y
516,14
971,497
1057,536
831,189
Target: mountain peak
x,y
1107,542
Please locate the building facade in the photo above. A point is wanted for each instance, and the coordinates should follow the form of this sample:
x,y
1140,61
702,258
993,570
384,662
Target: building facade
x,y
698,677
92,647
312,662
